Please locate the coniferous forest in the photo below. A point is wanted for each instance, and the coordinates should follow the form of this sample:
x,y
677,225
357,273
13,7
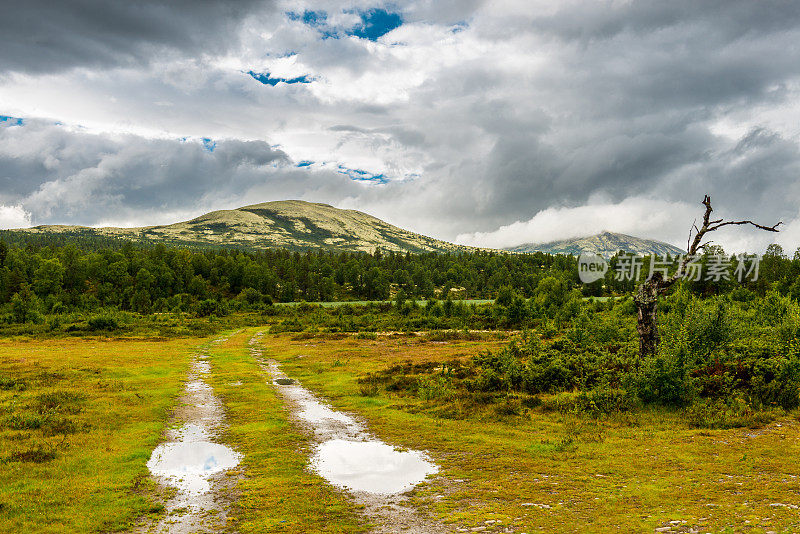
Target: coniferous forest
x,y
44,275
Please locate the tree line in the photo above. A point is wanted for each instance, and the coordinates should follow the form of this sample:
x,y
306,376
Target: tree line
x,y
67,275
54,274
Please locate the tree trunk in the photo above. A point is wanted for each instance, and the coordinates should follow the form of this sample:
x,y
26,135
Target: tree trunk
x,y
646,300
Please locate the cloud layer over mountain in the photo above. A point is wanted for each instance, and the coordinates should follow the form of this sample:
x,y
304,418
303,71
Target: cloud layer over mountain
x,y
492,123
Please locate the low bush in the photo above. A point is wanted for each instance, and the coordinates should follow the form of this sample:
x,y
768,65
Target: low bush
x,y
102,322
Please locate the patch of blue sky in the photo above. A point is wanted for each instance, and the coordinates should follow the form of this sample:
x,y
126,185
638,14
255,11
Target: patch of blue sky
x,y
375,23
315,19
362,175
305,163
267,79
312,18
459,26
209,144
12,121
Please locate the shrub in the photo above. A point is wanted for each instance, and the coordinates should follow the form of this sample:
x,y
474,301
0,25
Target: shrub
x,y
595,402
730,413
437,387
208,307
511,405
784,387
102,322
366,335
604,401
664,380
250,296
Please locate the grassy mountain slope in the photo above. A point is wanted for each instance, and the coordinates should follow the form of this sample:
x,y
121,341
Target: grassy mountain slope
x,y
290,224
606,244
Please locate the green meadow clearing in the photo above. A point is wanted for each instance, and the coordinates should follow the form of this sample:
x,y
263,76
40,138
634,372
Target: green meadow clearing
x,y
80,417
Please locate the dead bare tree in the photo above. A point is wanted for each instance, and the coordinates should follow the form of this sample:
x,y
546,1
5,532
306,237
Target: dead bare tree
x,y
646,297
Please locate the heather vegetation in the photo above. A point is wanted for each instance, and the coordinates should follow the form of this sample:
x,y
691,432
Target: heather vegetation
x,y
724,361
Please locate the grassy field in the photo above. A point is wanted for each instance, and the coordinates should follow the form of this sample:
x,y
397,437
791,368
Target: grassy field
x,y
78,420
554,472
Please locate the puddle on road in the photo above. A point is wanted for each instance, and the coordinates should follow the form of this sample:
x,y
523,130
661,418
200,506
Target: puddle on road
x,y
317,413
191,457
370,466
188,464
191,461
347,455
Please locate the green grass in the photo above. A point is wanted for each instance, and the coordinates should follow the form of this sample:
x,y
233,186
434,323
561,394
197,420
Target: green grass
x,y
278,493
80,417
626,473
78,420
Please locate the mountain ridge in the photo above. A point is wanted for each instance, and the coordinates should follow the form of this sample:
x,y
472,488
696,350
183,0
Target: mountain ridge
x,y
289,224
298,225
605,243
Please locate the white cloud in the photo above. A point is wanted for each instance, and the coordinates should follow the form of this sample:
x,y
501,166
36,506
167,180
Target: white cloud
x,y
14,217
637,216
567,117
656,219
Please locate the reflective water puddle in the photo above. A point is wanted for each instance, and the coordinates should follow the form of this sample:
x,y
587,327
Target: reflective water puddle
x,y
188,464
370,466
318,414
348,456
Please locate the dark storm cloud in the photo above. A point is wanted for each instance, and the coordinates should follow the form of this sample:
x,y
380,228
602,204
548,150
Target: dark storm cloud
x,y
47,35
526,107
630,90
60,175
588,21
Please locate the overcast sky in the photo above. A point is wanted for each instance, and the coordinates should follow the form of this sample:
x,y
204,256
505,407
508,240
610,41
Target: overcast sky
x,y
487,123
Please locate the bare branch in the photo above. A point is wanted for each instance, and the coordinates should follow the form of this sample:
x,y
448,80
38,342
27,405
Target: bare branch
x,y
693,228
693,245
773,228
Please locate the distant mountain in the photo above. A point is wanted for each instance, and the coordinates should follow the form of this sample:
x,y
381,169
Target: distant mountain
x,y
606,244
289,224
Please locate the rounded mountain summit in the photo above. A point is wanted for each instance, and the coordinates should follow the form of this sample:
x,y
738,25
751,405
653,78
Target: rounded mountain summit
x,y
298,226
